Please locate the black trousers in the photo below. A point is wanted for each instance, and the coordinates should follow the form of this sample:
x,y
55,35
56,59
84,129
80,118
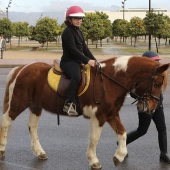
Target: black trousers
x,y
144,123
72,70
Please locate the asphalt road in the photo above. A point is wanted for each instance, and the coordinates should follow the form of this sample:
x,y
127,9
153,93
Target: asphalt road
x,y
67,143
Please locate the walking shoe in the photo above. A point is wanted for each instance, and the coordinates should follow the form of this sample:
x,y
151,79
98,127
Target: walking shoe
x,y
70,109
164,158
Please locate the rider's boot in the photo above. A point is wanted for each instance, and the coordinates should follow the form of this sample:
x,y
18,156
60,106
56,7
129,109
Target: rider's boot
x,y
70,106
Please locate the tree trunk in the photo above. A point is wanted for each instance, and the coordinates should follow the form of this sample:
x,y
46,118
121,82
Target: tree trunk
x,y
131,40
96,43
156,45
135,42
100,42
19,41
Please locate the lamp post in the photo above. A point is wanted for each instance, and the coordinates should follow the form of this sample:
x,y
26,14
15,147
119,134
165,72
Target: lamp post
x,y
10,1
123,6
149,28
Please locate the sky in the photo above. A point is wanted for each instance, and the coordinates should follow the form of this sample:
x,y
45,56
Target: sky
x,y
60,5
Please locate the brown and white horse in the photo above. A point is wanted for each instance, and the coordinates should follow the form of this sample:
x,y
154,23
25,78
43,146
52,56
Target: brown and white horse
x,y
27,87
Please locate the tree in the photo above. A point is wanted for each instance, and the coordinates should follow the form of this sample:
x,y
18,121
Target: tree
x,y
20,29
6,29
120,27
136,28
46,30
166,31
92,27
158,24
106,25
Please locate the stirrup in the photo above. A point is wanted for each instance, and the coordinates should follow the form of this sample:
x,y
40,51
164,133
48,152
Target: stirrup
x,y
70,109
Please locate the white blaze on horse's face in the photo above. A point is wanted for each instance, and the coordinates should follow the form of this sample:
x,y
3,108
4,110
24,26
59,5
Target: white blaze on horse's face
x,y
121,63
143,106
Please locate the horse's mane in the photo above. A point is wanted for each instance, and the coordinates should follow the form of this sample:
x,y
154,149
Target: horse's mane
x,y
165,83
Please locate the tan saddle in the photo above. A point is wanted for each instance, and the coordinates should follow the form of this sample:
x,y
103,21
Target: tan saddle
x,y
64,80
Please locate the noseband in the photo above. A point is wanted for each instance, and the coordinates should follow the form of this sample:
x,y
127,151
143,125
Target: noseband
x,y
147,93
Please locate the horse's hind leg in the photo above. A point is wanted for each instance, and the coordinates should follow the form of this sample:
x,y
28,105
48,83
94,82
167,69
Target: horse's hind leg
x,y
10,112
4,126
33,125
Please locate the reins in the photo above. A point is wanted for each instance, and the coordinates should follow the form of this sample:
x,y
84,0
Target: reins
x,y
132,94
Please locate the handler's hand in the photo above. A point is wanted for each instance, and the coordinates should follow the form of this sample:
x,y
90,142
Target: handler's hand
x,y
92,63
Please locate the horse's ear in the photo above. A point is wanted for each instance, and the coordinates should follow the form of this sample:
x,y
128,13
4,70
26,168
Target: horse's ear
x,y
162,68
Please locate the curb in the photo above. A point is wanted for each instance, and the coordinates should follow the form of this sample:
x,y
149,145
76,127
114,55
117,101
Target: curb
x,y
10,65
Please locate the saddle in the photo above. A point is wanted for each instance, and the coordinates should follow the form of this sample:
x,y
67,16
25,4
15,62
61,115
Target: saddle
x,y
64,80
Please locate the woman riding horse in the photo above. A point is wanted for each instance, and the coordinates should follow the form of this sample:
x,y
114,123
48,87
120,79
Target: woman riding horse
x,y
75,52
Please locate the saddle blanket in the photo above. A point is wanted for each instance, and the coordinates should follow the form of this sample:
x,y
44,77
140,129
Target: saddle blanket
x,y
53,79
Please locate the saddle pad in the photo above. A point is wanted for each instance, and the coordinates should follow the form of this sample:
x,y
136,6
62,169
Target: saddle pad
x,y
53,79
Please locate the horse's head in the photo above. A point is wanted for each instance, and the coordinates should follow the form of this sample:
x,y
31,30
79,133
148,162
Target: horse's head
x,y
148,90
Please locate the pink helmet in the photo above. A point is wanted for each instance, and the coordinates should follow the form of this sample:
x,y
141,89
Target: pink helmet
x,y
75,11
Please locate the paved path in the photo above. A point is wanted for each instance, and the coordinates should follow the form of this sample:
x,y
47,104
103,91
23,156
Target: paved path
x,y
14,58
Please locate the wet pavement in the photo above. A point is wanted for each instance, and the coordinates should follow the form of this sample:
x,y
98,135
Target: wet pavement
x,y
67,143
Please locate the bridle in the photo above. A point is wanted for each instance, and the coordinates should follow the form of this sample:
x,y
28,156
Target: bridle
x,y
148,91
143,98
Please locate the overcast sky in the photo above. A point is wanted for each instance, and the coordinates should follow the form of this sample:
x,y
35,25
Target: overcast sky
x,y
60,5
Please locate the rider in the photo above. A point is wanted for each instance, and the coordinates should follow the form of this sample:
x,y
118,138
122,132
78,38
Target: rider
x,y
75,52
158,118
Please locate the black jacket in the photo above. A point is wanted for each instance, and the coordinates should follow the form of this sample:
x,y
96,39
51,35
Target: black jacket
x,y
74,46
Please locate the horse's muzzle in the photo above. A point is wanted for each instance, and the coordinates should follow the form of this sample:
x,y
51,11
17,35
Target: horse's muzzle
x,y
143,106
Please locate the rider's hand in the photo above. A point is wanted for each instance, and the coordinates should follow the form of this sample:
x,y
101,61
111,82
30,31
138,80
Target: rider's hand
x,y
92,63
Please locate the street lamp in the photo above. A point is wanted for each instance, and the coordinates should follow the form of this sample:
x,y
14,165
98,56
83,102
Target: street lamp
x,y
149,28
123,6
10,1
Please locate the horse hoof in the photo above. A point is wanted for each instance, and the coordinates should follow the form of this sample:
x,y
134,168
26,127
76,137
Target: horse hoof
x,y
43,157
96,166
116,161
2,153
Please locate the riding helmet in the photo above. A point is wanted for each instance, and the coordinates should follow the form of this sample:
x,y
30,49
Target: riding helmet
x,y
75,11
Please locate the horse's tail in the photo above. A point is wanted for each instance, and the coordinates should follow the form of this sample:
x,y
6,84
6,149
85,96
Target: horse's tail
x,y
10,78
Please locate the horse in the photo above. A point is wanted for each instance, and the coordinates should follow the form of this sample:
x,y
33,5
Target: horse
x,y
110,82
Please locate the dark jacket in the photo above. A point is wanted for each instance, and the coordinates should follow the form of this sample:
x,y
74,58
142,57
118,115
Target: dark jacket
x,y
74,46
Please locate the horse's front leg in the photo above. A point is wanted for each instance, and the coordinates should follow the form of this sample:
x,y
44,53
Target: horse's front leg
x,y
94,135
35,144
121,150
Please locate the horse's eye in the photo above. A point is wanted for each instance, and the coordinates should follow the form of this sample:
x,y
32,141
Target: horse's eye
x,y
157,86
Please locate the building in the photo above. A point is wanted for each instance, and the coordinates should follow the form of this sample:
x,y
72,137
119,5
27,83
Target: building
x,y
131,12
